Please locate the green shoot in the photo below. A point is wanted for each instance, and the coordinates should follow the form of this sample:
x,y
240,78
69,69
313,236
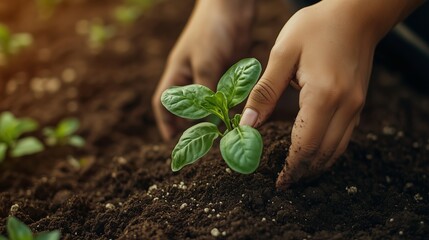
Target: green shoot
x,y
17,230
64,134
131,10
99,34
241,146
11,129
12,44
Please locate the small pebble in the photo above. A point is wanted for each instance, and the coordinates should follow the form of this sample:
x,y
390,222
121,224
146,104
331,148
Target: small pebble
x,y
110,206
183,205
418,197
206,210
228,170
14,208
351,190
372,136
388,130
215,232
264,219
391,220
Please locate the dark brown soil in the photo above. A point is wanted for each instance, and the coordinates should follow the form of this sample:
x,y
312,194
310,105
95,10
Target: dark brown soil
x,y
125,189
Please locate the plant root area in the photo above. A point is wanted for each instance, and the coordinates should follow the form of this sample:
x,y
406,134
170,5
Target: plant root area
x,y
120,185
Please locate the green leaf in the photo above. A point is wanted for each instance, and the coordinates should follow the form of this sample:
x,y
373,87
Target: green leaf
x,y
11,128
239,80
3,149
241,149
54,235
3,237
8,124
26,146
17,230
195,142
216,104
66,127
187,101
26,125
76,141
236,120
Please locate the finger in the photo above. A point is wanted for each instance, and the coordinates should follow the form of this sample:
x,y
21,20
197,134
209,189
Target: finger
x,y
318,106
175,74
264,96
342,146
343,117
207,71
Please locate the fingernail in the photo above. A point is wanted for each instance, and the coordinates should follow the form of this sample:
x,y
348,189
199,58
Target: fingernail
x,y
249,117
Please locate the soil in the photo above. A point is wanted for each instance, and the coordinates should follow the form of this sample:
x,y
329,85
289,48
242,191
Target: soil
x,y
120,185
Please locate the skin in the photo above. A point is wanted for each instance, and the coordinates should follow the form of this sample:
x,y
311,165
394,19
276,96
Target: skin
x,y
325,50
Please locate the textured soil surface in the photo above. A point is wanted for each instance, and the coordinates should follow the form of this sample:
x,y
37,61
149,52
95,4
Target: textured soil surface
x,y
120,185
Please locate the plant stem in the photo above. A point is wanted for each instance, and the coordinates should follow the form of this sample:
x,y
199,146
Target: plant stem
x,y
226,119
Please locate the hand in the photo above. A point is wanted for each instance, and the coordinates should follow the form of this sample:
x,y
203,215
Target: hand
x,y
327,51
217,33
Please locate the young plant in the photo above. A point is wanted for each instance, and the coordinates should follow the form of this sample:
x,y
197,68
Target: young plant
x,y
240,146
17,230
64,134
11,129
99,34
130,10
11,44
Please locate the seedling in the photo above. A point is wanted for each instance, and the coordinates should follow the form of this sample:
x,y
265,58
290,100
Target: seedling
x,y
64,134
11,129
128,12
11,44
240,146
99,34
17,230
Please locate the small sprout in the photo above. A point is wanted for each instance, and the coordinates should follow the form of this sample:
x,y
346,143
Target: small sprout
x,y
131,10
17,230
47,7
64,134
11,129
241,146
12,44
98,34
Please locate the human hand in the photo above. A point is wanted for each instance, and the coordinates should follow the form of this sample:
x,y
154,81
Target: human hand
x,y
217,33
327,51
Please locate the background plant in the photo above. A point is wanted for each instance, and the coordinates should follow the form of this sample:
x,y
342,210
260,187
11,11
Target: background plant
x,y
64,134
17,230
131,10
241,146
97,34
11,44
11,129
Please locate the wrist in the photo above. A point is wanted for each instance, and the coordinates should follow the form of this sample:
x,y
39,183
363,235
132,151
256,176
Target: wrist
x,y
233,10
376,18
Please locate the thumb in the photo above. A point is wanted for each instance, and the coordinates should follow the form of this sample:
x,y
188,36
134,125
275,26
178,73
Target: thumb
x,y
264,96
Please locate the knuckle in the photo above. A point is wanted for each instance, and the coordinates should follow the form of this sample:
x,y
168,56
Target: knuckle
x,y
330,93
264,93
356,101
307,151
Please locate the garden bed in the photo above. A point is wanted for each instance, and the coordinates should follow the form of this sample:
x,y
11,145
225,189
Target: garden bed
x,y
120,186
